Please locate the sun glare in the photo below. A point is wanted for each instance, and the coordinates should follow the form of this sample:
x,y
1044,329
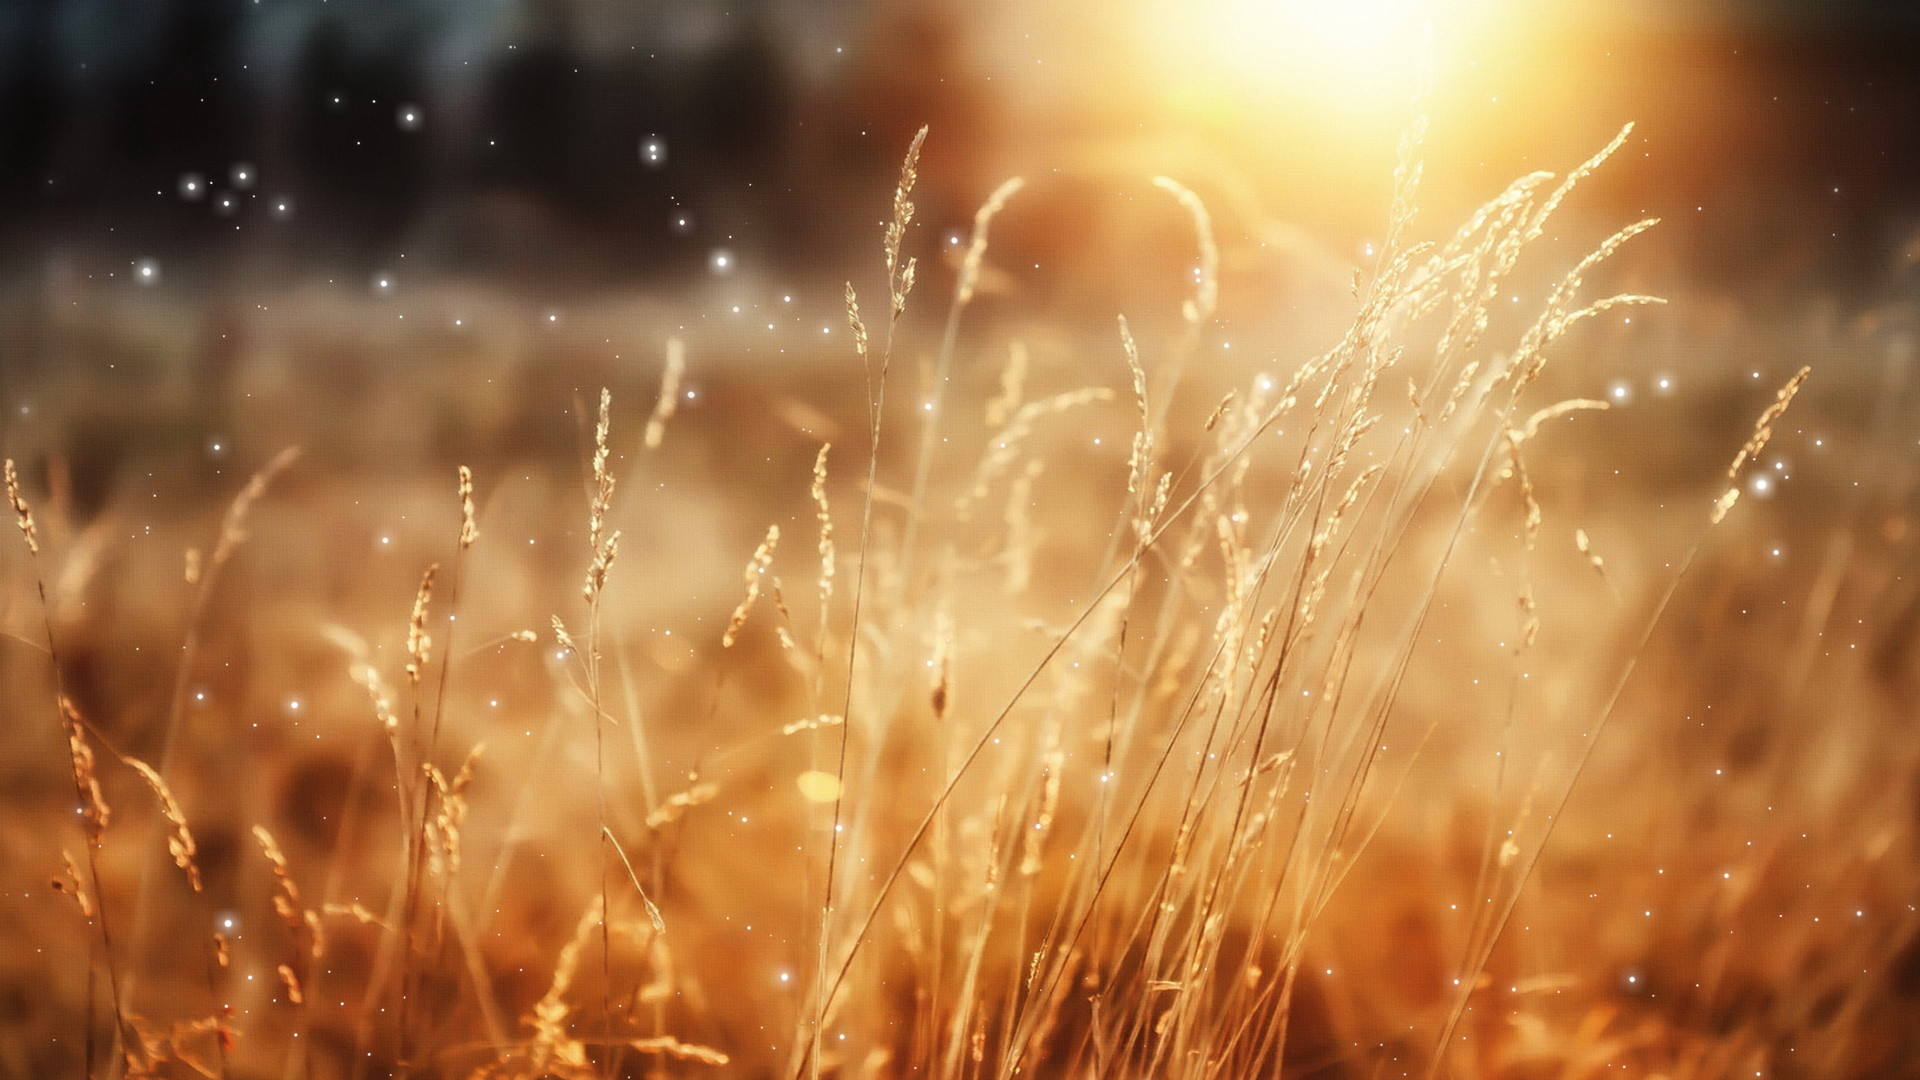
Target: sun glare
x,y
1340,51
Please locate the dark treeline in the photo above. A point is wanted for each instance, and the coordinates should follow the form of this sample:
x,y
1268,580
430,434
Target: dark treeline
x,y
523,122
1797,123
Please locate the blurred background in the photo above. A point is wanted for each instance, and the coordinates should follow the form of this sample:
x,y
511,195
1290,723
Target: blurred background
x,y
406,235
566,146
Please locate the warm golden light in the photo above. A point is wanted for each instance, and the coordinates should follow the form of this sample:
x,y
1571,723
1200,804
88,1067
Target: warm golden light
x,y
1030,540
1356,53
1358,45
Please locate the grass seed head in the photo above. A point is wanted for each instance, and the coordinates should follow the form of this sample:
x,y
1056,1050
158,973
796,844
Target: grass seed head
x,y
756,570
1762,434
23,514
179,838
668,402
469,530
977,248
94,811
419,641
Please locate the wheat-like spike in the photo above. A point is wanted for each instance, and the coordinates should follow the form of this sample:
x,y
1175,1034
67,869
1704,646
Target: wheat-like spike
x,y
597,570
668,1046
1257,649
824,514
362,671
1555,318
1035,837
905,287
996,847
233,528
357,912
23,513
1585,545
419,642
1469,371
1763,428
282,873
292,981
369,677
602,427
603,482
680,802
756,569
1220,410
286,898
1140,458
1007,445
95,813
1762,434
814,723
896,230
180,841
72,884
977,248
669,399
1013,385
784,627
551,1043
603,550
1018,521
469,529
854,324
1340,509
1537,226
1602,306
443,832
1134,368
1206,283
1723,504
1162,492
1516,467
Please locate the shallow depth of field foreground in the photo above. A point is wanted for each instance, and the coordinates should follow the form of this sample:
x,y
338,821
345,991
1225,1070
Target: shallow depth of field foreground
x,y
876,541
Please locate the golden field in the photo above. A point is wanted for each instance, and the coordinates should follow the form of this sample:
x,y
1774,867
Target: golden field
x,y
1479,653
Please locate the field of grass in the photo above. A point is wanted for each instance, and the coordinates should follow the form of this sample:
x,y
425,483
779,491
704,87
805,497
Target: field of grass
x,y
1457,693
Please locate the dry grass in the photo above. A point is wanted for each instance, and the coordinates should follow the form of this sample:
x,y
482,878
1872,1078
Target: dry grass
x,y
1127,780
